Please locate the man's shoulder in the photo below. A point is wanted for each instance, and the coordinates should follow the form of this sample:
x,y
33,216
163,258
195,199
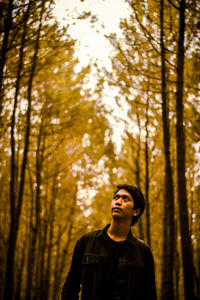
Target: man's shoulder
x,y
140,243
91,234
88,239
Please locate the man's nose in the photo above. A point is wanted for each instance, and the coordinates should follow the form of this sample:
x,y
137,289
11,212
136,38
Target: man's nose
x,y
119,201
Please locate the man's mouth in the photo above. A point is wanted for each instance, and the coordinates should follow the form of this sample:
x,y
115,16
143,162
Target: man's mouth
x,y
116,208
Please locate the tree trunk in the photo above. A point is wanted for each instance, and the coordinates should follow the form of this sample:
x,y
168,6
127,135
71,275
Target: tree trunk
x,y
198,245
187,256
35,226
19,276
31,262
40,283
55,282
137,163
50,242
168,224
177,264
148,229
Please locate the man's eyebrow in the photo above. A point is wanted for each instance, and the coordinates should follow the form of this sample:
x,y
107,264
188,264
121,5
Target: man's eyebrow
x,y
122,195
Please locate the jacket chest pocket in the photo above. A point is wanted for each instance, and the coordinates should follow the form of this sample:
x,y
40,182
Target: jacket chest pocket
x,y
93,270
93,265
89,259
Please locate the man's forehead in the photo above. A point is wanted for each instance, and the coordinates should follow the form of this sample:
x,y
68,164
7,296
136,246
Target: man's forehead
x,y
123,192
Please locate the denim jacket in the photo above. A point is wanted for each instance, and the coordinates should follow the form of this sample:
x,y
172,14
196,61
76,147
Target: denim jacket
x,y
90,270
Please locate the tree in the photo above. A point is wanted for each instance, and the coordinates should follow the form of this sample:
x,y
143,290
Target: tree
x,y
168,224
187,257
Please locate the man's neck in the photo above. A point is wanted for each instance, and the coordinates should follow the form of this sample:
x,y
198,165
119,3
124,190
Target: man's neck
x,y
118,231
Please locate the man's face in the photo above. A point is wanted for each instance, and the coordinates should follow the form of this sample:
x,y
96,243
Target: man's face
x,y
122,205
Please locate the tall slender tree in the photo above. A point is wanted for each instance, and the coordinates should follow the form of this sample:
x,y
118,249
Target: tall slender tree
x,y
147,179
168,244
187,256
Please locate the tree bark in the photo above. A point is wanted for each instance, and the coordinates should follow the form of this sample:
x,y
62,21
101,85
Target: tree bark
x,y
148,224
50,241
19,275
35,226
137,164
187,256
40,282
168,221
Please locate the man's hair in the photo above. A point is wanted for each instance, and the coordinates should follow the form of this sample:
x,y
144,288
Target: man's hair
x,y
139,201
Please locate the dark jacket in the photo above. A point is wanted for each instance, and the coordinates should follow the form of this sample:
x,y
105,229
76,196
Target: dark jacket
x,y
91,269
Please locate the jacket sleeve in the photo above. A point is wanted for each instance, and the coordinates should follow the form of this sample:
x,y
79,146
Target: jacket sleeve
x,y
72,283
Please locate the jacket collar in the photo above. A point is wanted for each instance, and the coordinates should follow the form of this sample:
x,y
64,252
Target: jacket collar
x,y
130,238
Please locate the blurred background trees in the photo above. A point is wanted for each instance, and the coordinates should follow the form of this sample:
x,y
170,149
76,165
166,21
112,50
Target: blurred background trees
x,y
61,155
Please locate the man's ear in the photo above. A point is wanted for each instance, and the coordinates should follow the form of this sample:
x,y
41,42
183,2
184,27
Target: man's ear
x,y
136,212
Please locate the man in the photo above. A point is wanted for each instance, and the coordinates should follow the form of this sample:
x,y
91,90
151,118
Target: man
x,y
111,264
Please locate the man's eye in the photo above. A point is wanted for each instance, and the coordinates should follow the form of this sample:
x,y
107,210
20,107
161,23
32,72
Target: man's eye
x,y
125,198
